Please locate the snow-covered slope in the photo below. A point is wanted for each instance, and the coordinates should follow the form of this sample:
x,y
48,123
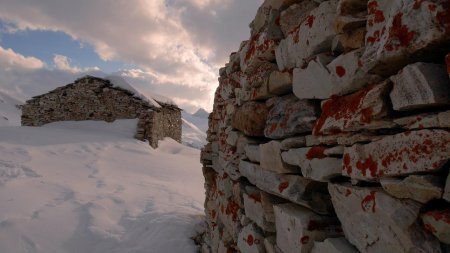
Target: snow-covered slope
x,y
9,112
90,187
194,130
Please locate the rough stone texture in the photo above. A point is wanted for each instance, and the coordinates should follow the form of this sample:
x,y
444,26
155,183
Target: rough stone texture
x,y
91,98
323,58
293,142
251,118
259,208
347,75
292,17
290,116
251,240
420,85
419,188
298,228
297,189
400,31
313,36
334,245
447,189
314,163
438,223
252,153
401,154
353,112
375,222
270,158
280,83
314,81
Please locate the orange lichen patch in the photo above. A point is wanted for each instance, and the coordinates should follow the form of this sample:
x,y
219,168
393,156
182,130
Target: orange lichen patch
x,y
232,209
366,115
343,108
443,17
340,71
304,239
377,15
250,240
316,153
348,192
255,197
347,167
417,4
399,34
437,215
213,213
283,186
310,20
368,165
368,203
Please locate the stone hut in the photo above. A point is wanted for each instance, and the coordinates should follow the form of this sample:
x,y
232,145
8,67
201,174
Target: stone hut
x,y
92,98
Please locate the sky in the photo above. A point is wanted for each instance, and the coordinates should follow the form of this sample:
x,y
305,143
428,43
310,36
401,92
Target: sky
x,y
171,47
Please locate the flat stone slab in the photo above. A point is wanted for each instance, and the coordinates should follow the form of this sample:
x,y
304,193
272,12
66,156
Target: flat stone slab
x,y
290,116
280,83
313,36
400,30
421,188
270,158
353,112
295,14
348,75
400,154
251,118
297,189
334,245
298,228
314,81
251,240
373,221
258,50
252,152
420,85
438,223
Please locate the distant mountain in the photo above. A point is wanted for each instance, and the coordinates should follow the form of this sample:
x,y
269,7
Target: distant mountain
x,y
194,130
9,110
201,113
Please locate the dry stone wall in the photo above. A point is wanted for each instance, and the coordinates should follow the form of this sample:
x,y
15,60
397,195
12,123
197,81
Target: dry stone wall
x,y
91,98
331,131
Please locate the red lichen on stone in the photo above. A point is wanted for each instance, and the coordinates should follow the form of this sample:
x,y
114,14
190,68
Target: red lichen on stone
x,y
368,203
255,197
232,209
366,115
340,71
347,167
432,7
378,15
250,240
399,34
443,17
304,239
310,20
368,165
348,192
316,153
437,215
283,186
342,108
417,4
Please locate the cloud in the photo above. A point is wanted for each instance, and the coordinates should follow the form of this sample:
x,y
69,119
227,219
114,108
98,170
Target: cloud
x,y
176,43
64,63
11,60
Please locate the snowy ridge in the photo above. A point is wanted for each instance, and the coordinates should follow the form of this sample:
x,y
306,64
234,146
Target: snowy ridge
x,y
152,98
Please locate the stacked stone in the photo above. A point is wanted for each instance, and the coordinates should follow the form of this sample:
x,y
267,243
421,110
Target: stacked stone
x,y
91,98
331,131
